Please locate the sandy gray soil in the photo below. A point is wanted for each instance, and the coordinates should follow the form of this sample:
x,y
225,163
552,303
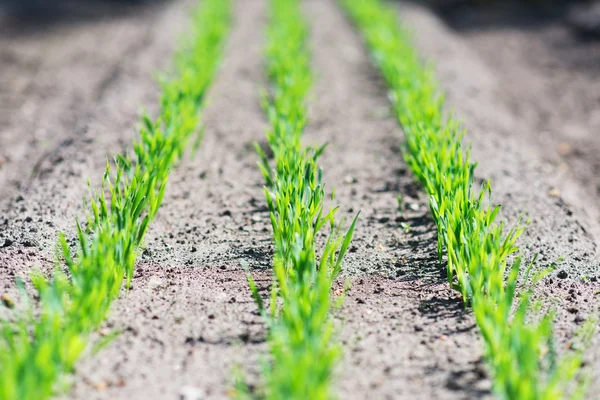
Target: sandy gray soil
x,y
200,321
399,318
189,321
550,81
57,74
67,105
563,216
185,350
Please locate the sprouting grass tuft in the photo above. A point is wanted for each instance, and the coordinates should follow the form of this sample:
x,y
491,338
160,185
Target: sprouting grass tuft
x,y
40,345
302,348
519,348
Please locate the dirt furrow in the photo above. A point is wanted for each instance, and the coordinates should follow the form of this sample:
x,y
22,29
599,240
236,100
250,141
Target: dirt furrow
x,y
523,180
85,130
53,77
550,82
406,334
189,320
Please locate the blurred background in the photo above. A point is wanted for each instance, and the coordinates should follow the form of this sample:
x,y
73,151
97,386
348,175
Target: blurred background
x,y
582,16
18,15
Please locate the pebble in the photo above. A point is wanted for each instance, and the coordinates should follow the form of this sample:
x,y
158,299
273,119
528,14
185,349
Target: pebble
x,y
554,193
191,393
413,206
350,179
562,274
564,149
7,301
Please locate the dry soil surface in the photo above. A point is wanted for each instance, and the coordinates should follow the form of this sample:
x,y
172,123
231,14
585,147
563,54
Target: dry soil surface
x,y
188,323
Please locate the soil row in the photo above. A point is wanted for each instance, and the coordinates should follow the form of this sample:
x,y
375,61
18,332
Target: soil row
x,y
189,319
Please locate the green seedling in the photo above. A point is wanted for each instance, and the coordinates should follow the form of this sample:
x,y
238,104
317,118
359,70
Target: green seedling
x,y
302,348
406,227
40,346
477,246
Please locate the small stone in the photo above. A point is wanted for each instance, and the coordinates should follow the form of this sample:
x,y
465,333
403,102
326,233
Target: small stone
x,y
554,193
413,206
562,274
191,393
30,243
7,301
564,149
155,282
350,180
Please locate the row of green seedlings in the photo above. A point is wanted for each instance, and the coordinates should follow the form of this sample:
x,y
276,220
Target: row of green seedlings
x,y
518,346
40,345
303,352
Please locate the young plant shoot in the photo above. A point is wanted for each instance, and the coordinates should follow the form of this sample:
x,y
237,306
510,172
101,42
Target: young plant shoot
x,y
518,347
40,345
302,347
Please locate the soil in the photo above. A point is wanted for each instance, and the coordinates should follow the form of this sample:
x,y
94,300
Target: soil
x,y
527,174
188,323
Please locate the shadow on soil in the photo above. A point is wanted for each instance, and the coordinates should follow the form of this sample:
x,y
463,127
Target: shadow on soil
x,y
439,308
449,307
467,380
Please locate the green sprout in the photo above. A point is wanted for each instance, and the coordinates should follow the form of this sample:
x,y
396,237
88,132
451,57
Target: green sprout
x,y
40,345
518,347
406,227
302,347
